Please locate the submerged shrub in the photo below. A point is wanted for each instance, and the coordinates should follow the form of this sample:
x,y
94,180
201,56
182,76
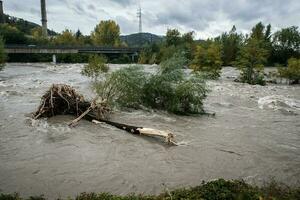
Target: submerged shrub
x,y
124,86
168,89
96,66
292,71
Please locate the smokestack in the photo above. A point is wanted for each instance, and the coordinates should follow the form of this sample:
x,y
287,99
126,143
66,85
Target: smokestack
x,y
44,18
2,19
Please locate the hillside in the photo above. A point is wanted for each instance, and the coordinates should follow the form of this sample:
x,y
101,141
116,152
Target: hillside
x,y
132,40
24,25
138,39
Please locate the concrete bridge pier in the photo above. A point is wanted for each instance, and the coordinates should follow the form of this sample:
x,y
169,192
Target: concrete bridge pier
x,y
54,59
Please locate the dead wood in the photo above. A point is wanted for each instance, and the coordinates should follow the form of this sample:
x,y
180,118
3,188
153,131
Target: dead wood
x,y
64,100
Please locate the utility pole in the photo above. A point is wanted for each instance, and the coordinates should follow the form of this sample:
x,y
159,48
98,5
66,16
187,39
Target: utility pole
x,y
139,15
2,17
44,18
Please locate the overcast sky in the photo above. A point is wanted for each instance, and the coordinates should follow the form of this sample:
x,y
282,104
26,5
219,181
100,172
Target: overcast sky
x,y
207,18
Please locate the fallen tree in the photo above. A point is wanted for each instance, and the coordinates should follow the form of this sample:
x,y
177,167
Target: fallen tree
x,y
64,100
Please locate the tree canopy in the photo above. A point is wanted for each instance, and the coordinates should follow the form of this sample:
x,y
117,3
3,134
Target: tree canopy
x,y
106,33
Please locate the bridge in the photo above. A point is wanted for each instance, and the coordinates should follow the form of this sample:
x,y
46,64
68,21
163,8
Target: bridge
x,y
33,49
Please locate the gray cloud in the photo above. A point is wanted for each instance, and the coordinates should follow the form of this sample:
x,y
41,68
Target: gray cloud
x,y
207,18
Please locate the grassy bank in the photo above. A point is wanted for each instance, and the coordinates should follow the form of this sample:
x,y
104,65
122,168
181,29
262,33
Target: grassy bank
x,y
214,190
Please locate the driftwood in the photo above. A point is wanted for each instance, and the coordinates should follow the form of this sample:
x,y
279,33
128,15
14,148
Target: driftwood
x,y
64,100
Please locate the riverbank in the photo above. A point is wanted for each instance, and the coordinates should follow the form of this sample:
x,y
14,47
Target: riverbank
x,y
214,190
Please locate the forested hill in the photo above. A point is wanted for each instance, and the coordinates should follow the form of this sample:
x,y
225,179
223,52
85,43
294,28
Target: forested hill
x,y
24,25
132,40
138,39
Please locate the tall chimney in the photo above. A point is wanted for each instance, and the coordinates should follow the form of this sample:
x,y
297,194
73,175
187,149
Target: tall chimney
x,y
2,19
44,18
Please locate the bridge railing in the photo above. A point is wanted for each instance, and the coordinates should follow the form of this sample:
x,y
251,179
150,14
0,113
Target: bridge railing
x,y
17,46
69,49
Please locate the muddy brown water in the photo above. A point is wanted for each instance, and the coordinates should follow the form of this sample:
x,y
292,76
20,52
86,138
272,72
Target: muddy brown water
x,y
255,136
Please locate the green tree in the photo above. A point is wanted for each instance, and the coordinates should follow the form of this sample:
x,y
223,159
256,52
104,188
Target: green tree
x,y
188,37
78,34
173,37
230,45
106,33
2,54
262,34
286,43
250,62
67,37
37,35
12,35
208,60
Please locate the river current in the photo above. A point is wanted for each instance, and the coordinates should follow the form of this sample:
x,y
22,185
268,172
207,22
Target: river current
x,y
254,136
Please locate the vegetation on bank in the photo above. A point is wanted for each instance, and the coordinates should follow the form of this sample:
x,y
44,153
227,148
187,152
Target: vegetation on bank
x,y
250,53
215,190
291,72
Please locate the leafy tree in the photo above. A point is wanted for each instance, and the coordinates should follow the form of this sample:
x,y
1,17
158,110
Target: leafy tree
x,y
106,33
96,66
188,45
208,60
167,52
292,72
173,37
149,54
286,43
188,37
78,34
67,37
250,61
230,45
37,35
175,43
262,34
2,54
12,35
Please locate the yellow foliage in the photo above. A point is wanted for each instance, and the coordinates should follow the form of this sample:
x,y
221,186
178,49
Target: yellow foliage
x,y
106,33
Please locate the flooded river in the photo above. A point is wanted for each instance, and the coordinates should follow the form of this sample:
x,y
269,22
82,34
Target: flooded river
x,y
255,136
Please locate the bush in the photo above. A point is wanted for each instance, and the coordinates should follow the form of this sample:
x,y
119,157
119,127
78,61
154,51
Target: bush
x,y
123,87
168,89
292,72
96,66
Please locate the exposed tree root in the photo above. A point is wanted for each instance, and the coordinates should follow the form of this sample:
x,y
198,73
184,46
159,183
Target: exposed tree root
x,y
64,100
